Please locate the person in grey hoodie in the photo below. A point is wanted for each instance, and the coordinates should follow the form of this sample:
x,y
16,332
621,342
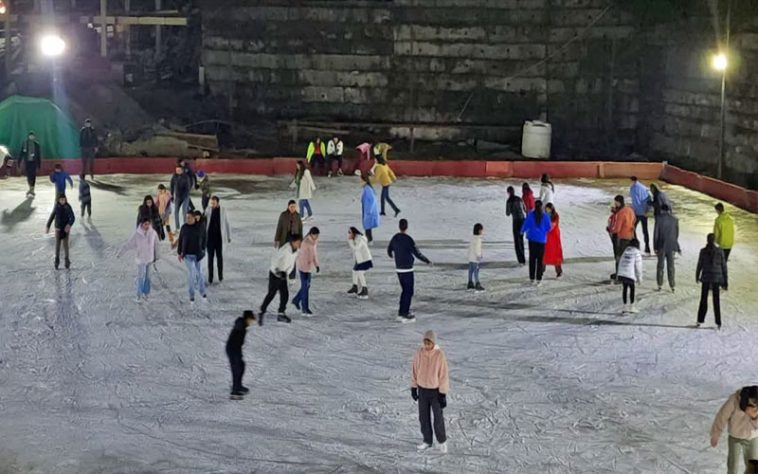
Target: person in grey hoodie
x,y
665,244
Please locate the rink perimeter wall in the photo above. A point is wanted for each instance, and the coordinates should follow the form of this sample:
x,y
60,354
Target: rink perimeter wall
x,y
733,194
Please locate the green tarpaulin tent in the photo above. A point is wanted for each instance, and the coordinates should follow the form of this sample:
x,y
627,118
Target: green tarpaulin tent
x,y
55,131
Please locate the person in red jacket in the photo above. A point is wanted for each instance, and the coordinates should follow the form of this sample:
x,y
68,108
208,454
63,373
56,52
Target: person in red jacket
x,y
553,248
527,195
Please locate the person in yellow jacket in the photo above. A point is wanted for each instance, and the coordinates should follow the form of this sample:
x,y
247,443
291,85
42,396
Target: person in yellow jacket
x,y
382,150
384,175
723,229
316,155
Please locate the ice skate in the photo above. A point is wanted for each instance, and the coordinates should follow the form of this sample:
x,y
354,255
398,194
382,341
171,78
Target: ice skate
x,y
423,447
244,390
363,295
296,304
442,447
307,313
353,290
56,263
236,396
625,309
539,283
470,286
397,212
633,309
283,318
204,298
67,264
478,288
408,318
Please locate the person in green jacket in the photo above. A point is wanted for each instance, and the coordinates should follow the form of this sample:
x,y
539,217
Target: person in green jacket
x,y
316,155
723,229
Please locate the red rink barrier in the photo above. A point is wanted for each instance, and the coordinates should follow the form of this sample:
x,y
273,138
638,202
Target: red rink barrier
x,y
739,196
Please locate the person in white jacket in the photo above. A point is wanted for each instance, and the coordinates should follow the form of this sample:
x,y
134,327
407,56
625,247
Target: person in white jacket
x,y
334,150
282,267
219,233
547,190
475,258
740,415
305,186
144,242
629,273
363,262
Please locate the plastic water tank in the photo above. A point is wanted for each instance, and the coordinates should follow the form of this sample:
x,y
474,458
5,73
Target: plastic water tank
x,y
535,142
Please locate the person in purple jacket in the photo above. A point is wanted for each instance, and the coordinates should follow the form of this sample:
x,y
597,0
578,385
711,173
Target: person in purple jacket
x,y
536,226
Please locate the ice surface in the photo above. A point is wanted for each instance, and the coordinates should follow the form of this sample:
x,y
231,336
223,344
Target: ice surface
x,y
543,380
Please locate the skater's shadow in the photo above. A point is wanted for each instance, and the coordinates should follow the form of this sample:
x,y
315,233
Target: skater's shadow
x,y
64,301
94,239
111,188
19,214
592,321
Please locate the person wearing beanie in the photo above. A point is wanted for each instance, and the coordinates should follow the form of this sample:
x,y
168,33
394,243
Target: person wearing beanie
x,y
430,385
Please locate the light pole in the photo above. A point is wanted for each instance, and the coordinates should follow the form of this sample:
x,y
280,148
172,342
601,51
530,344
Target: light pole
x,y
720,63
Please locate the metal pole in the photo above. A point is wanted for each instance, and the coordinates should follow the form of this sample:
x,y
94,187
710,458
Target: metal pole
x,y
104,31
722,131
158,39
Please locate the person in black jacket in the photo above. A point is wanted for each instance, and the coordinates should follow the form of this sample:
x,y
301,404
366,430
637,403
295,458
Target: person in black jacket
x,y
403,249
64,218
88,144
181,184
31,157
191,251
711,271
234,352
515,208
149,210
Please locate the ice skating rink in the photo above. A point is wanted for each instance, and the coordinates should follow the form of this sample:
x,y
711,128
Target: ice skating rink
x,y
543,380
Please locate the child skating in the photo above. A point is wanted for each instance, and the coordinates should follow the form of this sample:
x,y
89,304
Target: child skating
x,y
144,242
475,258
307,262
429,388
739,414
363,262
59,178
234,352
629,273
64,218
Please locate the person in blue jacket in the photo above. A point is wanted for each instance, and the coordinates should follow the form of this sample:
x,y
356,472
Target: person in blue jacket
x,y
369,208
60,178
536,226
641,202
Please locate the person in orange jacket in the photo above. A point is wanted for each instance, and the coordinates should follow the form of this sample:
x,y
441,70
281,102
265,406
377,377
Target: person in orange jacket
x,y
623,226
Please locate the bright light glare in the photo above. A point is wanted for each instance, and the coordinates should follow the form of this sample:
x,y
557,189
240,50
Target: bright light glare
x,y
52,45
3,8
720,62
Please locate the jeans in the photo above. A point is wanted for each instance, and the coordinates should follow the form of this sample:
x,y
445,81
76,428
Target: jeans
x,y
181,207
215,251
536,254
749,448
628,284
703,309
238,369
143,279
428,404
406,295
88,161
645,234
301,298
518,240
386,197
276,284
88,207
473,272
304,204
666,258
194,276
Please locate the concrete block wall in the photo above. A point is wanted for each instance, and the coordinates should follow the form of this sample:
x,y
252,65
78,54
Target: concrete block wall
x,y
484,62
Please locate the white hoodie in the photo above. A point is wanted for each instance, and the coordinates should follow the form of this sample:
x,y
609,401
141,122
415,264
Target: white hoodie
x,y
145,245
283,260
630,264
361,252
475,249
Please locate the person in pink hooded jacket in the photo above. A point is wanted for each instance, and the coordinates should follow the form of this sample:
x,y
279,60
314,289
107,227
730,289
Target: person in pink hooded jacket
x,y
429,387
739,414
144,242
306,263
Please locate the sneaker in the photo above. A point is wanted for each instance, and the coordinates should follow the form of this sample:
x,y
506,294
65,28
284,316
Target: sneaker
x,y
397,212
423,447
363,295
307,313
633,309
205,298
625,310
442,447
353,290
296,303
539,283
478,287
192,301
470,286
407,318
283,318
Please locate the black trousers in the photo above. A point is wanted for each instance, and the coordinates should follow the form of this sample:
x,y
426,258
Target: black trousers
x,y
726,254
88,207
61,237
88,161
238,369
331,159
369,235
645,234
518,240
714,288
428,404
276,284
536,255
215,251
31,174
628,287
407,283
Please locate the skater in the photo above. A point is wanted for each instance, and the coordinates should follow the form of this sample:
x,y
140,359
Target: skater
x,y
659,199
306,263
623,226
723,229
547,190
191,251
31,157
334,152
369,209
403,249
553,247
475,259
181,184
363,263
527,196
515,208
163,199
363,164
430,385
665,244
144,242
64,218
88,145
59,178
234,352
641,203
739,414
205,189
282,266
316,155
384,175
85,198
304,186
614,237
382,150
629,273
148,210
219,233
536,226
712,272
289,224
